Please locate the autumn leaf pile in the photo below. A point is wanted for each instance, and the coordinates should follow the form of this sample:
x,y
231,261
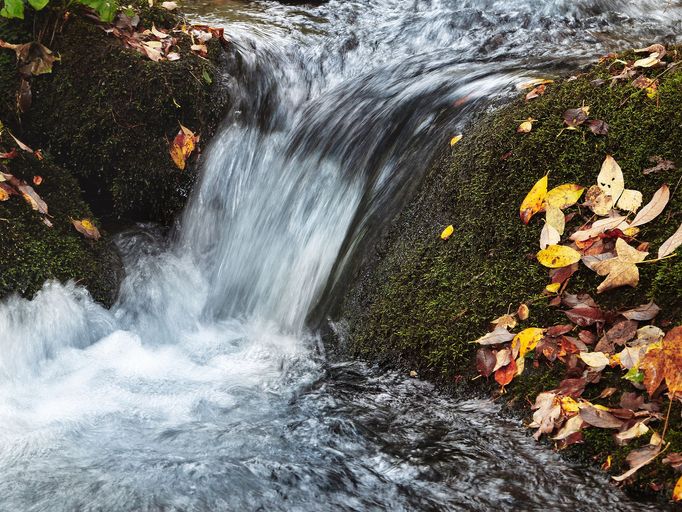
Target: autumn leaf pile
x,y
596,227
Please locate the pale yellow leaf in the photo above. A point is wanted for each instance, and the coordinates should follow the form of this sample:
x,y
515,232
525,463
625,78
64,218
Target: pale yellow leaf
x,y
447,232
549,236
630,200
555,218
653,208
672,243
597,360
610,178
558,256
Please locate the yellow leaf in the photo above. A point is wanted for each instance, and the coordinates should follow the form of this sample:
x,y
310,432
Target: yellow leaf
x,y
455,139
565,195
182,146
568,404
526,126
677,491
4,196
619,273
534,200
526,340
558,256
610,179
447,232
534,83
553,288
630,200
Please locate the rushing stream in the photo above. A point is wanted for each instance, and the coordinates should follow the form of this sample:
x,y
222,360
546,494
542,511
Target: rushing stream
x,y
202,389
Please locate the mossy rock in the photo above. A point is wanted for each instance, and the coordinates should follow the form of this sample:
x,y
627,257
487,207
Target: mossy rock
x,y
423,300
32,252
107,113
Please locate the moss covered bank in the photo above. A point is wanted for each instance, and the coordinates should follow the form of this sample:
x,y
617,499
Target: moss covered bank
x,y
424,300
103,119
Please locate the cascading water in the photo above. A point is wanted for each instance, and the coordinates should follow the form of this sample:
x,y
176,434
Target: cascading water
x,y
202,389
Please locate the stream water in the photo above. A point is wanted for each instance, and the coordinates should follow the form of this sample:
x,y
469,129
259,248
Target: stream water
x,y
202,389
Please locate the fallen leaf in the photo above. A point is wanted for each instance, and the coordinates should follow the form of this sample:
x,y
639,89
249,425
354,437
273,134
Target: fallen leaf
x,y
549,236
447,232
170,6
575,117
502,358
553,287
598,227
534,83
672,243
182,146
610,178
635,431
563,196
506,321
638,459
585,316
674,460
677,491
630,200
555,218
526,340
648,62
455,139
573,424
622,270
485,361
653,209
536,92
557,256
597,201
523,312
598,418
654,48
534,200
598,127
661,165
596,360
86,228
642,313
158,33
504,376
526,126
496,337
622,332
37,180
547,411
33,58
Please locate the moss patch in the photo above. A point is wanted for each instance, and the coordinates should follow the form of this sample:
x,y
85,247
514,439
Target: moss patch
x,y
426,299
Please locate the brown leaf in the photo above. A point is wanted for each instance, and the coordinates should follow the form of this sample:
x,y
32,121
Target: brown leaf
x,y
643,312
32,58
598,127
584,316
182,146
587,337
24,96
675,460
598,418
522,312
572,387
622,331
574,117
558,330
633,401
485,361
536,92
638,459
661,165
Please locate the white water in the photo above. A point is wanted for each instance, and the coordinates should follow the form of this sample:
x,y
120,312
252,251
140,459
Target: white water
x,y
201,389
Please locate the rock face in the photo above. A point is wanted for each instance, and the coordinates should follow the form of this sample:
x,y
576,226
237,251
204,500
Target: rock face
x,y
103,118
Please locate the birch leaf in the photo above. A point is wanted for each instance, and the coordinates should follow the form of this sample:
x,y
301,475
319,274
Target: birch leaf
x,y
499,335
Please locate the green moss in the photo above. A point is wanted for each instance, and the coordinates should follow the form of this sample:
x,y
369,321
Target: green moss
x,y
32,252
426,300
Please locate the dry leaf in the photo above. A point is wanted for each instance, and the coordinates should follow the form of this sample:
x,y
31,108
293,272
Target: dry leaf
x,y
504,376
621,270
653,209
563,196
182,146
574,117
86,228
630,200
597,201
506,321
610,178
642,313
523,312
598,127
455,139
596,360
526,340
555,218
549,236
599,418
499,335
638,459
599,227
672,243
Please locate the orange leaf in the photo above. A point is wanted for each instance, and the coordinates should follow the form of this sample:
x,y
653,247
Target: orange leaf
x,y
504,376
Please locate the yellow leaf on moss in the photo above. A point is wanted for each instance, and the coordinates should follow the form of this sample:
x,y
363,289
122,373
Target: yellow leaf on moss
x,y
455,139
553,288
86,228
534,200
677,491
558,256
447,232
526,340
564,195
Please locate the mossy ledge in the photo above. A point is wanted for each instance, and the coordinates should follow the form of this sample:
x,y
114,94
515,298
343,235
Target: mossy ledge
x,y
103,118
420,301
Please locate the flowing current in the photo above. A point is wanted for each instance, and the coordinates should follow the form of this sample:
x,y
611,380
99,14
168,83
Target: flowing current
x,y
203,389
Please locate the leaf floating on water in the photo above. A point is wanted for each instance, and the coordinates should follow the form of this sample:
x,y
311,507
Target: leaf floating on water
x,y
86,228
447,232
534,201
672,243
558,256
654,208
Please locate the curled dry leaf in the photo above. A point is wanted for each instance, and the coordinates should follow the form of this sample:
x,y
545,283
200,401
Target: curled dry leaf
x,y
653,208
534,83
506,321
33,58
502,358
635,431
652,60
534,201
672,243
523,312
573,424
638,459
447,232
86,228
557,256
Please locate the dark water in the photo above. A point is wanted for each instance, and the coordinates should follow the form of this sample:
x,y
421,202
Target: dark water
x,y
203,389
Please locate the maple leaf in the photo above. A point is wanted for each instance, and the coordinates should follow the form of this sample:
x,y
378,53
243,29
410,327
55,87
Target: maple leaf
x,y
621,270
